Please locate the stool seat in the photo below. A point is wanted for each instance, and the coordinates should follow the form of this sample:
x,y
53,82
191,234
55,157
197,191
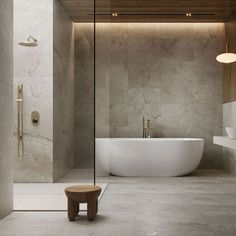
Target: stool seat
x,y
82,194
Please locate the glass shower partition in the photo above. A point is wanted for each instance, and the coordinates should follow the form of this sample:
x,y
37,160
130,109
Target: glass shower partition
x,y
54,119
103,76
84,126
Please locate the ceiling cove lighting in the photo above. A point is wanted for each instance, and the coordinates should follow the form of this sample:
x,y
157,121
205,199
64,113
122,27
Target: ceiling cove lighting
x,y
226,57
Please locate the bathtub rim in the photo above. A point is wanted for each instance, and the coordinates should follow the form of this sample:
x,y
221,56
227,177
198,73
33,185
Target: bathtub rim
x,y
152,139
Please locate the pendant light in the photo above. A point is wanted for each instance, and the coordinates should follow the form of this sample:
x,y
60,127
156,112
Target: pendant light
x,y
227,57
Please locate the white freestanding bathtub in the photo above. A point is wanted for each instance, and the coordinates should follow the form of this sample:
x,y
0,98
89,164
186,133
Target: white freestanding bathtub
x,y
148,157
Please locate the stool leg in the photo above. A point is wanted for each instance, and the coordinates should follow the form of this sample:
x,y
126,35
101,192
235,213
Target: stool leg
x,y
77,208
96,206
92,209
73,209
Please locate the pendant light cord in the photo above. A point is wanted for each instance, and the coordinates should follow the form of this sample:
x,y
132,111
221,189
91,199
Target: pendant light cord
x,y
226,26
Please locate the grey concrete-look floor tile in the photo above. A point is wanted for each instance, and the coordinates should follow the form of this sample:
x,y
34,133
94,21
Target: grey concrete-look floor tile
x,y
203,204
173,233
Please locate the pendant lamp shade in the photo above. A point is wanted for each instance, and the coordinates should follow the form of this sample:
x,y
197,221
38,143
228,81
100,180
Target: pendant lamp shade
x,y
226,58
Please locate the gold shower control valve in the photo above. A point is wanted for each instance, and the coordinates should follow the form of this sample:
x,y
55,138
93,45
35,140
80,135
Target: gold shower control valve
x,y
35,118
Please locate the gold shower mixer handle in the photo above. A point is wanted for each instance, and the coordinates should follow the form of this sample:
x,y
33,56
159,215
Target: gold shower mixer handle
x,y
19,100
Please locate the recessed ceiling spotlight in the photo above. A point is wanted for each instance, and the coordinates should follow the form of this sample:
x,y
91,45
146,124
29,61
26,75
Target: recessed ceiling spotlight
x,y
188,14
114,14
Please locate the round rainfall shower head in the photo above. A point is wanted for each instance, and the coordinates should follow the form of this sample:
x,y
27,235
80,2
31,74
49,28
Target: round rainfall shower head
x,y
28,44
31,42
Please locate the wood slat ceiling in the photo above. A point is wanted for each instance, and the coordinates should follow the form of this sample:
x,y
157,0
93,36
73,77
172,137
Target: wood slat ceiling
x,y
148,10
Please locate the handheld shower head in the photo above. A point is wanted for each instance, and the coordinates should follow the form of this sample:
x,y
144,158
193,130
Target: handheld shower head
x,y
31,42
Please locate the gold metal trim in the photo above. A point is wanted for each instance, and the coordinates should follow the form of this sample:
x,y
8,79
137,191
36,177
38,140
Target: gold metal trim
x,y
20,127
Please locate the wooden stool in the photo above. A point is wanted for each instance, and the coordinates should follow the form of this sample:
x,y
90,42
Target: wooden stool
x,y
82,194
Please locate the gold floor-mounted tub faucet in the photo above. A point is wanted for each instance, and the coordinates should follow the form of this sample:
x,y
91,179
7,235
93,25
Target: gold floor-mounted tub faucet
x,y
147,130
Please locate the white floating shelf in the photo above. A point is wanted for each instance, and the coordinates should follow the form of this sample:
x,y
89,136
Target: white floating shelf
x,y
225,141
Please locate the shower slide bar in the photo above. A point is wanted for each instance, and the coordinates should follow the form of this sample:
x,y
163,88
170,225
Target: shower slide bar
x,y
20,128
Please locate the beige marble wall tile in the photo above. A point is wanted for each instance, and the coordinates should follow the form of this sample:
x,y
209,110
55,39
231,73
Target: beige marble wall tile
x,y
84,90
63,92
152,69
47,73
84,96
170,70
6,107
33,67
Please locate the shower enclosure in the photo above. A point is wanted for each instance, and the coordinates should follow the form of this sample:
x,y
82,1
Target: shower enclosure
x,y
54,120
